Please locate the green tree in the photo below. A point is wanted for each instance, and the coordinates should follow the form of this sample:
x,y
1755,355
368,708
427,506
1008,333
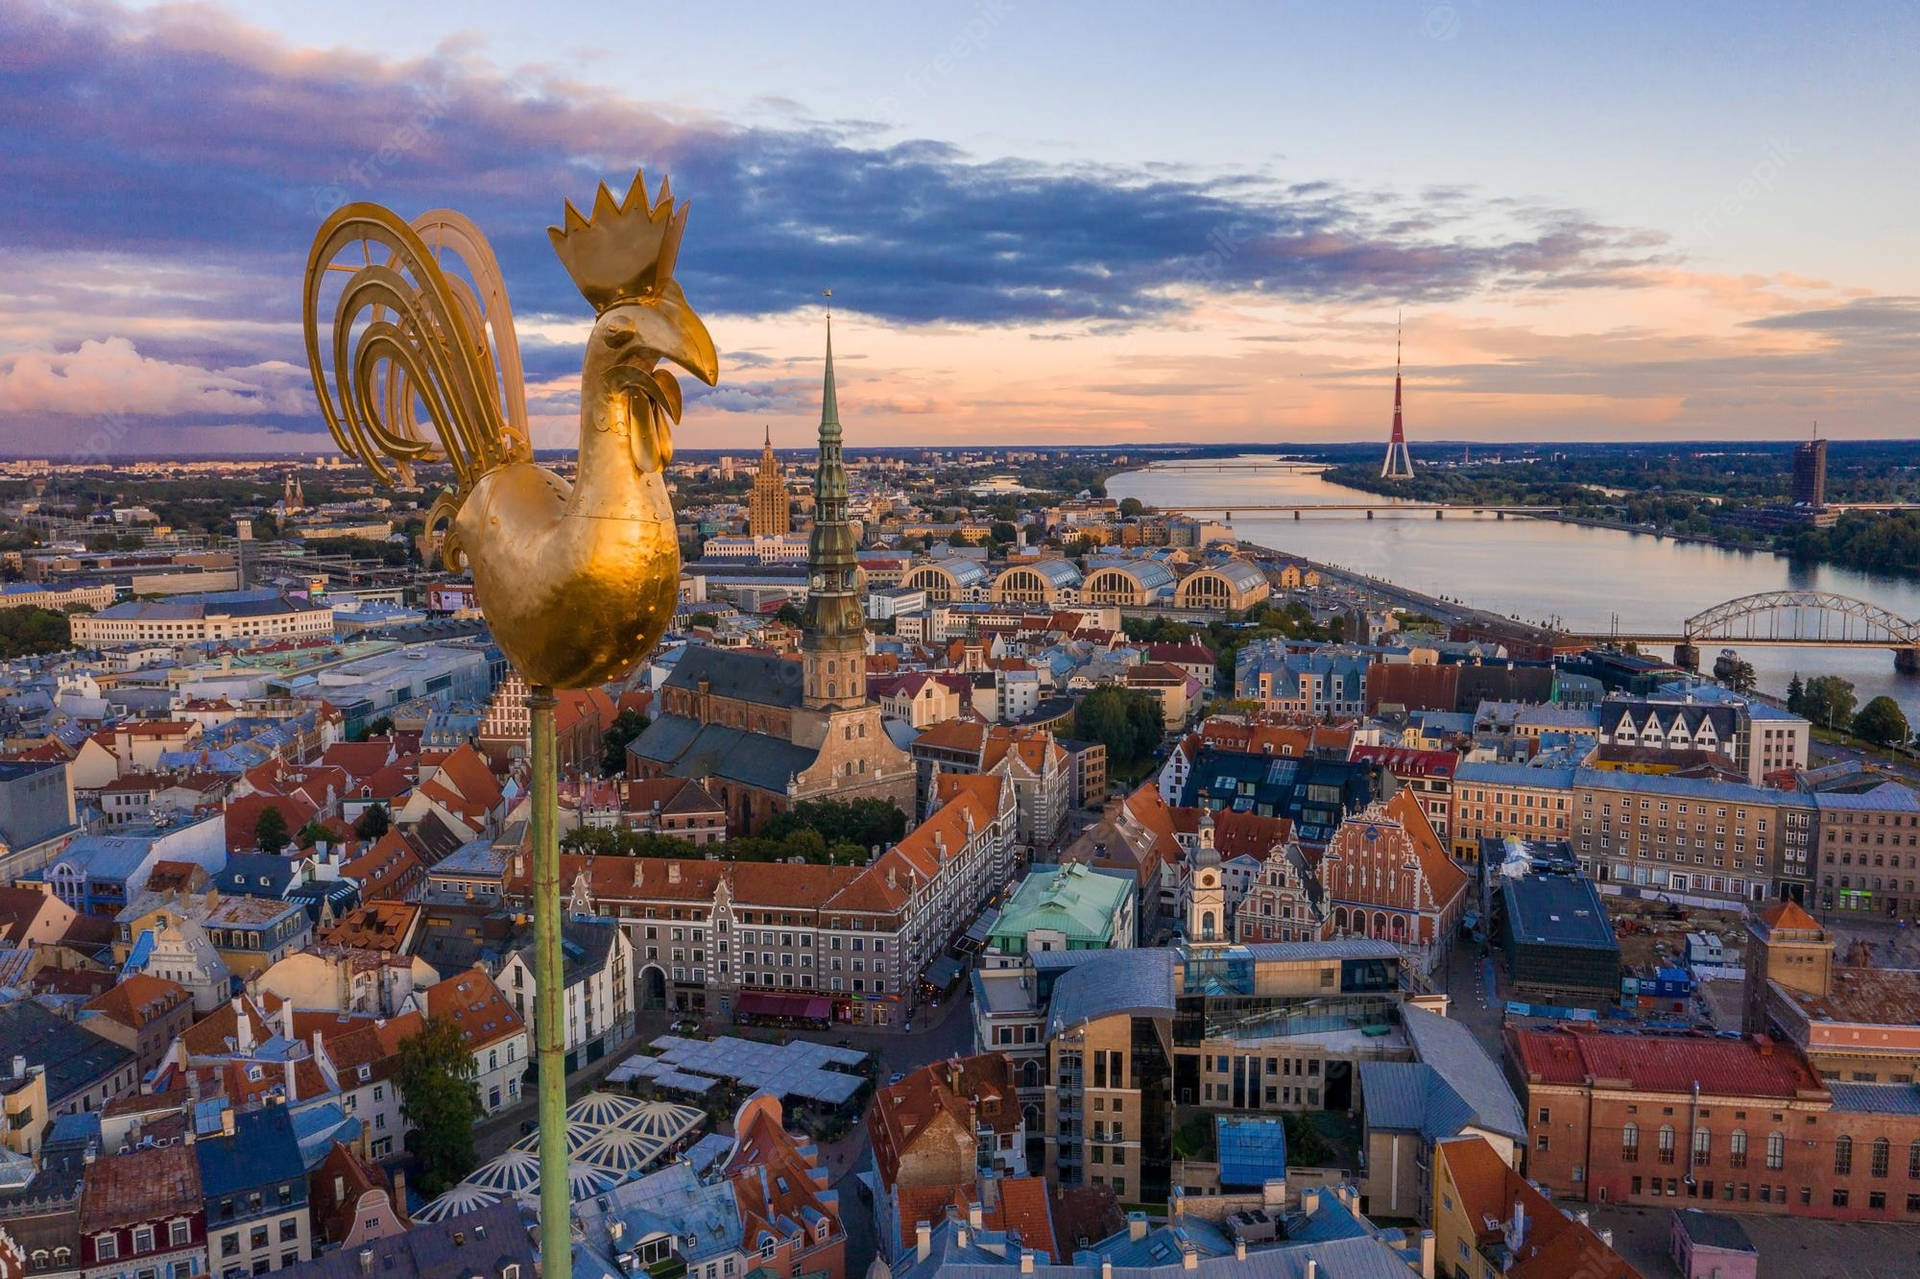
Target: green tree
x,y
270,832
381,726
1132,508
626,726
790,614
27,631
373,823
1882,722
1004,531
1127,721
438,1096
1796,695
1740,676
958,538
1828,701
312,833
704,619
621,841
864,822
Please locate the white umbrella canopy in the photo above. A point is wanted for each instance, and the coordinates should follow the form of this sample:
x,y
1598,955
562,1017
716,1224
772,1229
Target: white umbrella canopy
x,y
517,1172
620,1151
509,1174
664,1121
458,1201
601,1109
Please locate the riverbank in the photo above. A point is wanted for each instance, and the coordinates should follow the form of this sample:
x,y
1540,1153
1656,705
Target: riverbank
x,y
1579,578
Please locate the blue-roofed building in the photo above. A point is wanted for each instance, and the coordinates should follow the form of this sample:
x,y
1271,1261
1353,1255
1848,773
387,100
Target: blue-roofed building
x,y
181,620
101,874
255,1185
1856,810
36,814
1452,1087
1321,681
1742,843
1317,1234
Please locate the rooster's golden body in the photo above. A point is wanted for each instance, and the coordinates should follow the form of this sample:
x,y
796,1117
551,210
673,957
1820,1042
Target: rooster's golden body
x,y
577,581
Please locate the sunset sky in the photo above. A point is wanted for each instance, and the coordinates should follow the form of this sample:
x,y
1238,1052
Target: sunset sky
x,y
1059,223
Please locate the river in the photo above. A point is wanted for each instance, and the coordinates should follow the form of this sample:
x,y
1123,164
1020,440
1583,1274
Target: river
x,y
1585,579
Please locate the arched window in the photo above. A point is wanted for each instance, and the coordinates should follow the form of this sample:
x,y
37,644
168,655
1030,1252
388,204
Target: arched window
x,y
1665,1147
1776,1151
1630,1144
1882,1156
1842,1156
1702,1147
1737,1148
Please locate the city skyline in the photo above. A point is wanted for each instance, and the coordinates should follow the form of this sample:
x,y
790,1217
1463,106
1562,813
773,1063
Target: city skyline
x,y
1688,237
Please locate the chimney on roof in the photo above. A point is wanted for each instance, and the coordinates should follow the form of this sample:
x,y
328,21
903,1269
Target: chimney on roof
x,y
1026,1261
1312,1270
922,1239
1239,1247
673,872
974,1217
1426,1254
366,1261
226,1121
1309,1202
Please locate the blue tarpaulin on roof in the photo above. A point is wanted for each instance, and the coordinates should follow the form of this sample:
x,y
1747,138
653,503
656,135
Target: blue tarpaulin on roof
x,y
1252,1151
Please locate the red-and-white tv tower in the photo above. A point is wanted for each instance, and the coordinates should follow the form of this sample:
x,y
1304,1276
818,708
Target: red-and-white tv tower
x,y
1398,464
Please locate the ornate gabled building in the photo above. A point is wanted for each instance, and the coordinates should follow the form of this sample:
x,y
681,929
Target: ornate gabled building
x,y
1387,875
764,733
770,509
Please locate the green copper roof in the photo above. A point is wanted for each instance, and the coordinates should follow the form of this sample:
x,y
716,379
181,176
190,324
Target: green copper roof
x,y
1073,900
829,398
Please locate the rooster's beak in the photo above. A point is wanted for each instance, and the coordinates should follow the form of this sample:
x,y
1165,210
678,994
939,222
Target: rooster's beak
x,y
666,324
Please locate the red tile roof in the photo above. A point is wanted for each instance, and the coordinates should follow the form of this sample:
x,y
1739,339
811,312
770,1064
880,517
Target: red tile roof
x,y
1662,1063
144,1185
472,1000
140,999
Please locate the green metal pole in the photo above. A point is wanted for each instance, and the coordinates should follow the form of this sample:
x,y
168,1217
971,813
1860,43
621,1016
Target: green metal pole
x,y
549,1030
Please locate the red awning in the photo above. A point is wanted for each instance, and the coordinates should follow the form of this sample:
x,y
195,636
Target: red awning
x,y
770,1003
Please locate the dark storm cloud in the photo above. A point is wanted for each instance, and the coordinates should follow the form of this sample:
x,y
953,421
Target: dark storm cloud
x,y
186,136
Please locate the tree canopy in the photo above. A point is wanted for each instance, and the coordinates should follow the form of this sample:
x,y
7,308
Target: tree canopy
x,y
626,726
438,1096
1827,700
1882,722
270,831
28,630
373,823
1127,721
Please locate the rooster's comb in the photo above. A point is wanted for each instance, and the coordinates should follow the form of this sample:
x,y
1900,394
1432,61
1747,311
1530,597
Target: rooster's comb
x,y
624,251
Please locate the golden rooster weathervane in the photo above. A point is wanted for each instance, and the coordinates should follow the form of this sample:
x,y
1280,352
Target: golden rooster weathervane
x,y
577,581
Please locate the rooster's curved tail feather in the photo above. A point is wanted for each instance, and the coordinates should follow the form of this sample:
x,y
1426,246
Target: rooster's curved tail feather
x,y
410,339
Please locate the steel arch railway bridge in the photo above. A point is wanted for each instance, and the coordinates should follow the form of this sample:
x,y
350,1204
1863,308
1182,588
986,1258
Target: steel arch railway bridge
x,y
1789,619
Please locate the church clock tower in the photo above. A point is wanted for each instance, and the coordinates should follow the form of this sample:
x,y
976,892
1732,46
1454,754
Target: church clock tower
x,y
834,644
